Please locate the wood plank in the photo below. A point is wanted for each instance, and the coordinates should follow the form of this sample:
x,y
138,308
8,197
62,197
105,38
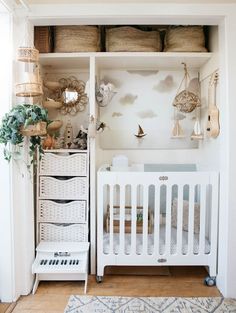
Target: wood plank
x,y
52,297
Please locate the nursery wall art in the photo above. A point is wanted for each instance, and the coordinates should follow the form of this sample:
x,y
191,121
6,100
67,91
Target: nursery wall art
x,y
141,115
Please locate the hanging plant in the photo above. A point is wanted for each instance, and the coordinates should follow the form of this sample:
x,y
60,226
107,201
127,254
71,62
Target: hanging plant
x,y
24,120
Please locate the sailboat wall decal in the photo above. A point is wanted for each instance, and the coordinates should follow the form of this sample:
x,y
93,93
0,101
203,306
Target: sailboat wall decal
x,y
140,133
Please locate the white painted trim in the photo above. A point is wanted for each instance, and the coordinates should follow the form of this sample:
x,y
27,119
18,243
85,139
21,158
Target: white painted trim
x,y
7,282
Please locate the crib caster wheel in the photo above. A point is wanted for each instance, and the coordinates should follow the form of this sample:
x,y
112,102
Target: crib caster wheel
x,y
99,279
210,281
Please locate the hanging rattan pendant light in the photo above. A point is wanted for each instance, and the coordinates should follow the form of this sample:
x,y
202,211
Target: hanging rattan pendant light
x,y
30,84
185,101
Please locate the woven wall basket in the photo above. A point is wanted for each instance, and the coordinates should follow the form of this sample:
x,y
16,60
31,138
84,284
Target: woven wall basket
x,y
185,39
38,129
29,90
130,39
76,39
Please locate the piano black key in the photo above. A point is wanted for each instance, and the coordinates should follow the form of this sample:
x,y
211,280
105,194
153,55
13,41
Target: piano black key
x,y
57,262
50,262
45,262
77,262
73,262
65,262
54,261
62,262
41,262
70,262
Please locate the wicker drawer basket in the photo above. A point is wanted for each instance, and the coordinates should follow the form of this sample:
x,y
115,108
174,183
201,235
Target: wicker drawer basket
x,y
66,189
130,39
185,39
52,232
56,212
63,165
76,39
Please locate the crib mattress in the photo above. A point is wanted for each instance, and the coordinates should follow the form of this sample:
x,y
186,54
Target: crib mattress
x,y
139,241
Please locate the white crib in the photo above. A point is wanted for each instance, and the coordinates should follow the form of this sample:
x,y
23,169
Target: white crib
x,y
177,225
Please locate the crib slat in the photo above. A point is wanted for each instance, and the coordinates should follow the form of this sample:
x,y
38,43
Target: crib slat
x,y
145,219
122,220
191,219
168,220
157,221
111,204
134,218
180,219
202,234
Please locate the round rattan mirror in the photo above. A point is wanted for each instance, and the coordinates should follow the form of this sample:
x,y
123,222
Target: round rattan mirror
x,y
72,95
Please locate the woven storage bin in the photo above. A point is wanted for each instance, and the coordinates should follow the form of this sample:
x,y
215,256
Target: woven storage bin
x,y
63,165
54,212
65,189
130,39
76,39
43,39
128,212
185,39
51,232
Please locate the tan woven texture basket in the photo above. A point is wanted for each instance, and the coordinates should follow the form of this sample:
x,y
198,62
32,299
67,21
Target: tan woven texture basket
x,y
76,39
185,39
130,39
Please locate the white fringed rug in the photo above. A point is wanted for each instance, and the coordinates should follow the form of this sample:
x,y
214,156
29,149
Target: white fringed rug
x,y
103,304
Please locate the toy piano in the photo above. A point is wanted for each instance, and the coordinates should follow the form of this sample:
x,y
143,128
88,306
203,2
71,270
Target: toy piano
x,y
61,261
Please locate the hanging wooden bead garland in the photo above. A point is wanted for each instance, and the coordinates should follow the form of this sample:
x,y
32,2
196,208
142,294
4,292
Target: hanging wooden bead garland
x,y
186,101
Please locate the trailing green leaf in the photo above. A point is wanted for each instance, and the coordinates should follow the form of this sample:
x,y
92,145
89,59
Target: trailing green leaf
x,y
22,115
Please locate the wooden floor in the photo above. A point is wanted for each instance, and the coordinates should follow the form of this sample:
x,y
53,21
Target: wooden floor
x,y
52,297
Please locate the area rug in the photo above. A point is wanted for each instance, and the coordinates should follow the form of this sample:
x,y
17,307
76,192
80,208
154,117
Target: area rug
x,y
102,304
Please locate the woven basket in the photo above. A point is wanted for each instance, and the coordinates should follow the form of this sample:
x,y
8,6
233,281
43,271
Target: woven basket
x,y
76,39
27,54
43,39
63,165
130,39
51,232
38,129
53,212
70,189
29,90
185,39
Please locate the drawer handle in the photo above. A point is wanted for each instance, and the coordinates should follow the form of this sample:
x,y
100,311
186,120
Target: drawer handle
x,y
162,260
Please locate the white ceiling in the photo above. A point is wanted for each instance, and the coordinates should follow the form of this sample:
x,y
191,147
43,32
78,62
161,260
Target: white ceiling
x,y
127,1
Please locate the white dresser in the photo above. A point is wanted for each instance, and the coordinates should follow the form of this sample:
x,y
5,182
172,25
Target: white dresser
x,y
62,215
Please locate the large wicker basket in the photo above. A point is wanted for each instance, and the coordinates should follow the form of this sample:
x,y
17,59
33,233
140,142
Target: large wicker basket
x,y
130,39
76,39
185,39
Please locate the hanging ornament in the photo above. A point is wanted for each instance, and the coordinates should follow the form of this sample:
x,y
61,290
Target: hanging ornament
x,y
68,136
105,93
186,101
177,131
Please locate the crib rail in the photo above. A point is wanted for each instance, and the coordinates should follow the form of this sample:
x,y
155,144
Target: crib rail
x,y
180,208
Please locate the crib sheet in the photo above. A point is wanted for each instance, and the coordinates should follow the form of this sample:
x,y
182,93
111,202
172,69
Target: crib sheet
x,y
139,240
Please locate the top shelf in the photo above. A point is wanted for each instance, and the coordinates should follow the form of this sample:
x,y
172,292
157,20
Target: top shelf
x,y
125,60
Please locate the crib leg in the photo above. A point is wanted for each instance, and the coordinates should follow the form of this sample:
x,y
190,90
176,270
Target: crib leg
x,y
99,279
210,281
